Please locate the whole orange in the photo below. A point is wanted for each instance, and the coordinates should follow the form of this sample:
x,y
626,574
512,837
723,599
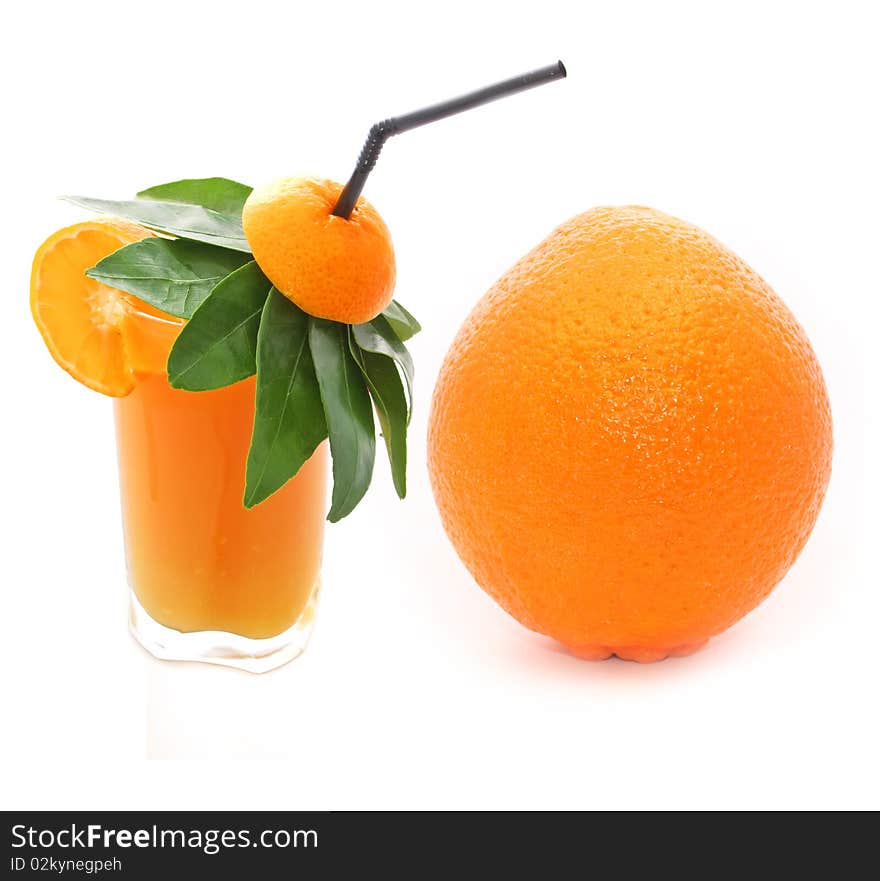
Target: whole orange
x,y
330,267
630,437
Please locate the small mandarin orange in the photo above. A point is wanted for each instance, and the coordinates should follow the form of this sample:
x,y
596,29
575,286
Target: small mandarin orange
x,y
330,267
630,437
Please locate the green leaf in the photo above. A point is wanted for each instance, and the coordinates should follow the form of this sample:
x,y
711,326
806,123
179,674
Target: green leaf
x,y
217,193
289,419
386,389
174,275
379,337
402,322
175,218
218,345
349,415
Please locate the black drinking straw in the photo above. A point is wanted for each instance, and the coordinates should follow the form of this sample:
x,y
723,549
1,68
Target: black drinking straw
x,y
381,131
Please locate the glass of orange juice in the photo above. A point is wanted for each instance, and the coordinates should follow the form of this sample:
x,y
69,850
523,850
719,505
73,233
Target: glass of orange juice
x,y
209,579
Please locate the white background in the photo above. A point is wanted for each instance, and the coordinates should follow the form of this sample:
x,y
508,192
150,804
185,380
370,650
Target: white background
x,y
753,120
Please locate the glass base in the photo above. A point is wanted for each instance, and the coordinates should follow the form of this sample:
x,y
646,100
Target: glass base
x,y
218,646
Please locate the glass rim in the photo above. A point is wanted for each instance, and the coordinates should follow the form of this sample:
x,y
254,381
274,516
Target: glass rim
x,y
133,306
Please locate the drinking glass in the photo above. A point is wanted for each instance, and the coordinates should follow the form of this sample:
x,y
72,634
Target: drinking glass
x,y
209,579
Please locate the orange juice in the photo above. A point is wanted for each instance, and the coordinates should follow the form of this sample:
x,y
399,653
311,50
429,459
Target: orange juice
x,y
198,560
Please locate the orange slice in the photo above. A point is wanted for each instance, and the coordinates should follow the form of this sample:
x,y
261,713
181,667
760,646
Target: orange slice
x,y
79,318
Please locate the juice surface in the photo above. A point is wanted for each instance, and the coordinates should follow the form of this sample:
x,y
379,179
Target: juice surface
x,y
197,558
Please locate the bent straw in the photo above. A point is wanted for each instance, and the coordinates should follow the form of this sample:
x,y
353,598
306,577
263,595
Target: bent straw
x,y
381,131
